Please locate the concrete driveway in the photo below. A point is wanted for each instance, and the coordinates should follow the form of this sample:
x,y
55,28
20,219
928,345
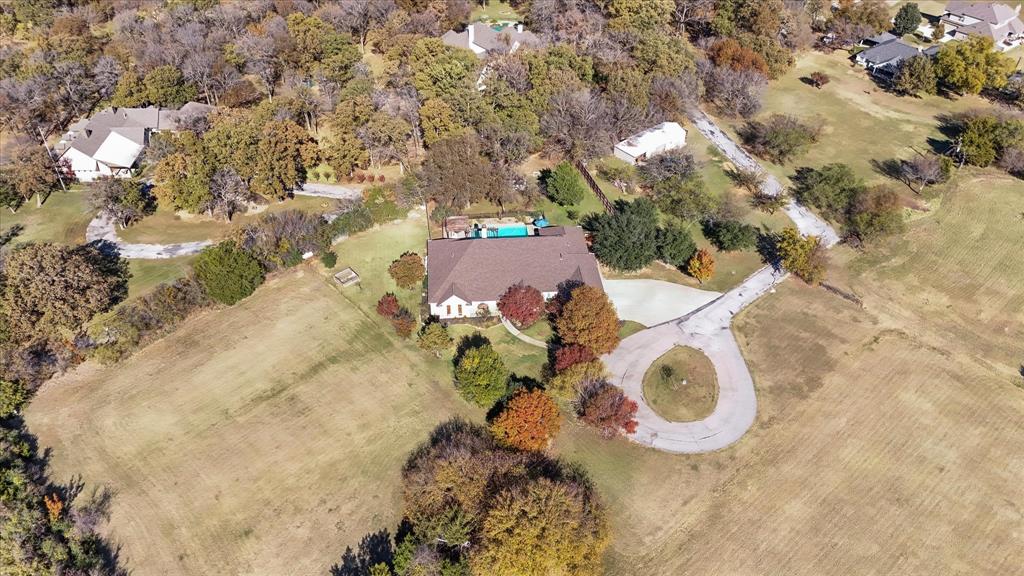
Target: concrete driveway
x,y
653,302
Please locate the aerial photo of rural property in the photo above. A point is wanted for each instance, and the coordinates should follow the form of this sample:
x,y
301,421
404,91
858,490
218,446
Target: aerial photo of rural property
x,y
511,287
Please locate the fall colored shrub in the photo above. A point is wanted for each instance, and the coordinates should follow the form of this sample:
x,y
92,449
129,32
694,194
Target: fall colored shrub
x,y
804,257
819,79
54,506
388,306
380,178
434,338
522,305
403,322
607,408
567,383
529,422
588,319
571,355
701,266
407,270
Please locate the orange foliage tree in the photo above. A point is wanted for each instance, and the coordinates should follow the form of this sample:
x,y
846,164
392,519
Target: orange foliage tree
x,y
729,53
54,506
407,270
529,422
701,265
589,320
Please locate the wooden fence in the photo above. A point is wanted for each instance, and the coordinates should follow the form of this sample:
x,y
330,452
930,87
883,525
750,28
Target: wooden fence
x,y
608,206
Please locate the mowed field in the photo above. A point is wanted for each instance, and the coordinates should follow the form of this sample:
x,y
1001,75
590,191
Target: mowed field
x,y
258,439
888,438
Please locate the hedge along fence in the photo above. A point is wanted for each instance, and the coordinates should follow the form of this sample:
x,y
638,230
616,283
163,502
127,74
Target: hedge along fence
x,y
277,241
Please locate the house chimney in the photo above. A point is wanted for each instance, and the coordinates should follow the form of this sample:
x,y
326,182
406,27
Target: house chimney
x,y
472,36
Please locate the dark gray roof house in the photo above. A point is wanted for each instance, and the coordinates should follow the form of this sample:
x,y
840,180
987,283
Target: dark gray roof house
x,y
465,273
883,59
882,38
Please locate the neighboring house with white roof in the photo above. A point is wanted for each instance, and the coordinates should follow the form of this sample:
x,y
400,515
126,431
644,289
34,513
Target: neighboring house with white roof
x,y
111,142
483,39
651,142
999,22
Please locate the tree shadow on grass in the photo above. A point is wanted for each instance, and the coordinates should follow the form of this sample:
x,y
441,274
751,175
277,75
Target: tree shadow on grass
x,y
375,548
467,343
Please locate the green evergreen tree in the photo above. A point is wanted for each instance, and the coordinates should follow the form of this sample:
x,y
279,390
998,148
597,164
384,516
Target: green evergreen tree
x,y
564,185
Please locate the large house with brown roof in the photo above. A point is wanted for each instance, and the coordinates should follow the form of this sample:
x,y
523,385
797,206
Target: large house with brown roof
x,y
994,20
467,276
111,142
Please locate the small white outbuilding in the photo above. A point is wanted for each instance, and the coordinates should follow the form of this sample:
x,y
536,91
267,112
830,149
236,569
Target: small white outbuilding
x,y
651,142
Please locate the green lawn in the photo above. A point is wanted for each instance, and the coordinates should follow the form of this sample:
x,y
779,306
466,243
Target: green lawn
x,y
63,218
689,392
147,274
494,10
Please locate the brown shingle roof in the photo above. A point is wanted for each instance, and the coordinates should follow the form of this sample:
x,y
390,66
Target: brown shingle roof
x,y
482,269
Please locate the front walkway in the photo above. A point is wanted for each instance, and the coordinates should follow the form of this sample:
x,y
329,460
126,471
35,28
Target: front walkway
x,y
515,332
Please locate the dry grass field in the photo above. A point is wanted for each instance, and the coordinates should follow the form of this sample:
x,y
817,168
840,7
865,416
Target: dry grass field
x,y
258,439
888,438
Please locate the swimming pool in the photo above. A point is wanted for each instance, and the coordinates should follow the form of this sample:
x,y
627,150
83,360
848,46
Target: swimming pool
x,y
509,231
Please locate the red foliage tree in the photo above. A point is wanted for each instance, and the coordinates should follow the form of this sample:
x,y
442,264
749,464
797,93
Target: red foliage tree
x,y
388,306
571,355
521,304
607,408
529,422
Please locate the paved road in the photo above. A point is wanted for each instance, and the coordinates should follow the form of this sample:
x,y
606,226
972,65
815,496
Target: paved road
x,y
806,221
102,228
708,329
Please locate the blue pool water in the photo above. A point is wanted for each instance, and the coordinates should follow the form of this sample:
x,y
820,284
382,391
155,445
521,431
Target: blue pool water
x,y
511,231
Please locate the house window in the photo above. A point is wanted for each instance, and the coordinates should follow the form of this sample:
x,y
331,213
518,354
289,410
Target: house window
x,y
460,309
449,311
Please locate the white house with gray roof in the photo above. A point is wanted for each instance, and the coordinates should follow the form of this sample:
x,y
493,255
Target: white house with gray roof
x,y
483,39
111,142
999,22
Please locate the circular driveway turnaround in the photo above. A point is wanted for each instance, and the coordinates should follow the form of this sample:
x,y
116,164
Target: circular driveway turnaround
x,y
707,330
